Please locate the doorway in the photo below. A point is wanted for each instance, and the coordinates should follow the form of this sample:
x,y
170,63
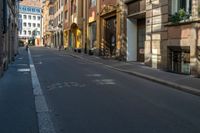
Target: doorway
x,y
136,33
110,35
141,34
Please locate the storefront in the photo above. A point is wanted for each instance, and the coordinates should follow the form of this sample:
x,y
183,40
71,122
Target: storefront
x,y
179,59
92,35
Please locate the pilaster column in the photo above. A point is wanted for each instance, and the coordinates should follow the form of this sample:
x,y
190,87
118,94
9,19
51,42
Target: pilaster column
x,y
195,6
98,31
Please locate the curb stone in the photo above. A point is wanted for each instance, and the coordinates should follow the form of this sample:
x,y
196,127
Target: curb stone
x,y
183,88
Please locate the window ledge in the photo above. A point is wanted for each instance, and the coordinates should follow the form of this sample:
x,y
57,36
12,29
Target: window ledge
x,y
184,22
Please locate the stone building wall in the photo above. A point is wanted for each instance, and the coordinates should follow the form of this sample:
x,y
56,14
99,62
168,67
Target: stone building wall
x,y
1,37
156,33
161,34
8,33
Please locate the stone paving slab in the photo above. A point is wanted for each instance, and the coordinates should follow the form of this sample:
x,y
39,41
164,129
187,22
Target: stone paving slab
x,y
17,109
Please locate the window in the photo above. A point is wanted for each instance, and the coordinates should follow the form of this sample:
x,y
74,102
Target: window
x,y
34,25
24,24
61,2
66,14
24,32
181,4
20,16
20,32
25,17
29,24
38,25
28,9
51,11
61,16
58,4
33,9
29,32
73,6
92,3
29,17
34,17
38,17
38,32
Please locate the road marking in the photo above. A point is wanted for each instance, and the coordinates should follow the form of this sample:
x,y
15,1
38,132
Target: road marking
x,y
23,70
65,84
45,123
94,75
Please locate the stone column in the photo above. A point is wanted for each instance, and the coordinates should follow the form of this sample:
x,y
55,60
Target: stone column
x,y
195,6
118,31
195,51
148,42
85,19
121,26
98,31
156,33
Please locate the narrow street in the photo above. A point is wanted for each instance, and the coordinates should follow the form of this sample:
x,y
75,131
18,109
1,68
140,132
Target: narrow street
x,y
86,97
100,66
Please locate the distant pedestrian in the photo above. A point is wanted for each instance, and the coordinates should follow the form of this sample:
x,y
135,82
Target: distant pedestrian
x,y
59,47
26,46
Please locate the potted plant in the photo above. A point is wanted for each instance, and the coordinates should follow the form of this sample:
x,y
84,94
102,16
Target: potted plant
x,y
180,16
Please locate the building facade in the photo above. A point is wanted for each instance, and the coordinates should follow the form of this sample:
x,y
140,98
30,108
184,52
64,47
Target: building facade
x,y
163,34
30,19
48,18
66,23
8,32
136,30
58,23
173,45
90,27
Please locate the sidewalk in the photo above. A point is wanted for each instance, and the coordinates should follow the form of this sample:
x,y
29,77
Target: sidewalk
x,y
17,113
185,83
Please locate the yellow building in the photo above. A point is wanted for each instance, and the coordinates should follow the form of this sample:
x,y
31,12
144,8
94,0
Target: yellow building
x,y
73,24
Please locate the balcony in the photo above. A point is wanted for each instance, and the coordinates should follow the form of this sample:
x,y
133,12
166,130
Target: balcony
x,y
136,6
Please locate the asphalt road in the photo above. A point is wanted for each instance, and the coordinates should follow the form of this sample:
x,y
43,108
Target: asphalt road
x,y
90,98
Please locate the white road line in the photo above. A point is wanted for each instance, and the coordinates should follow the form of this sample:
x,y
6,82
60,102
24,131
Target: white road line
x,y
45,123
